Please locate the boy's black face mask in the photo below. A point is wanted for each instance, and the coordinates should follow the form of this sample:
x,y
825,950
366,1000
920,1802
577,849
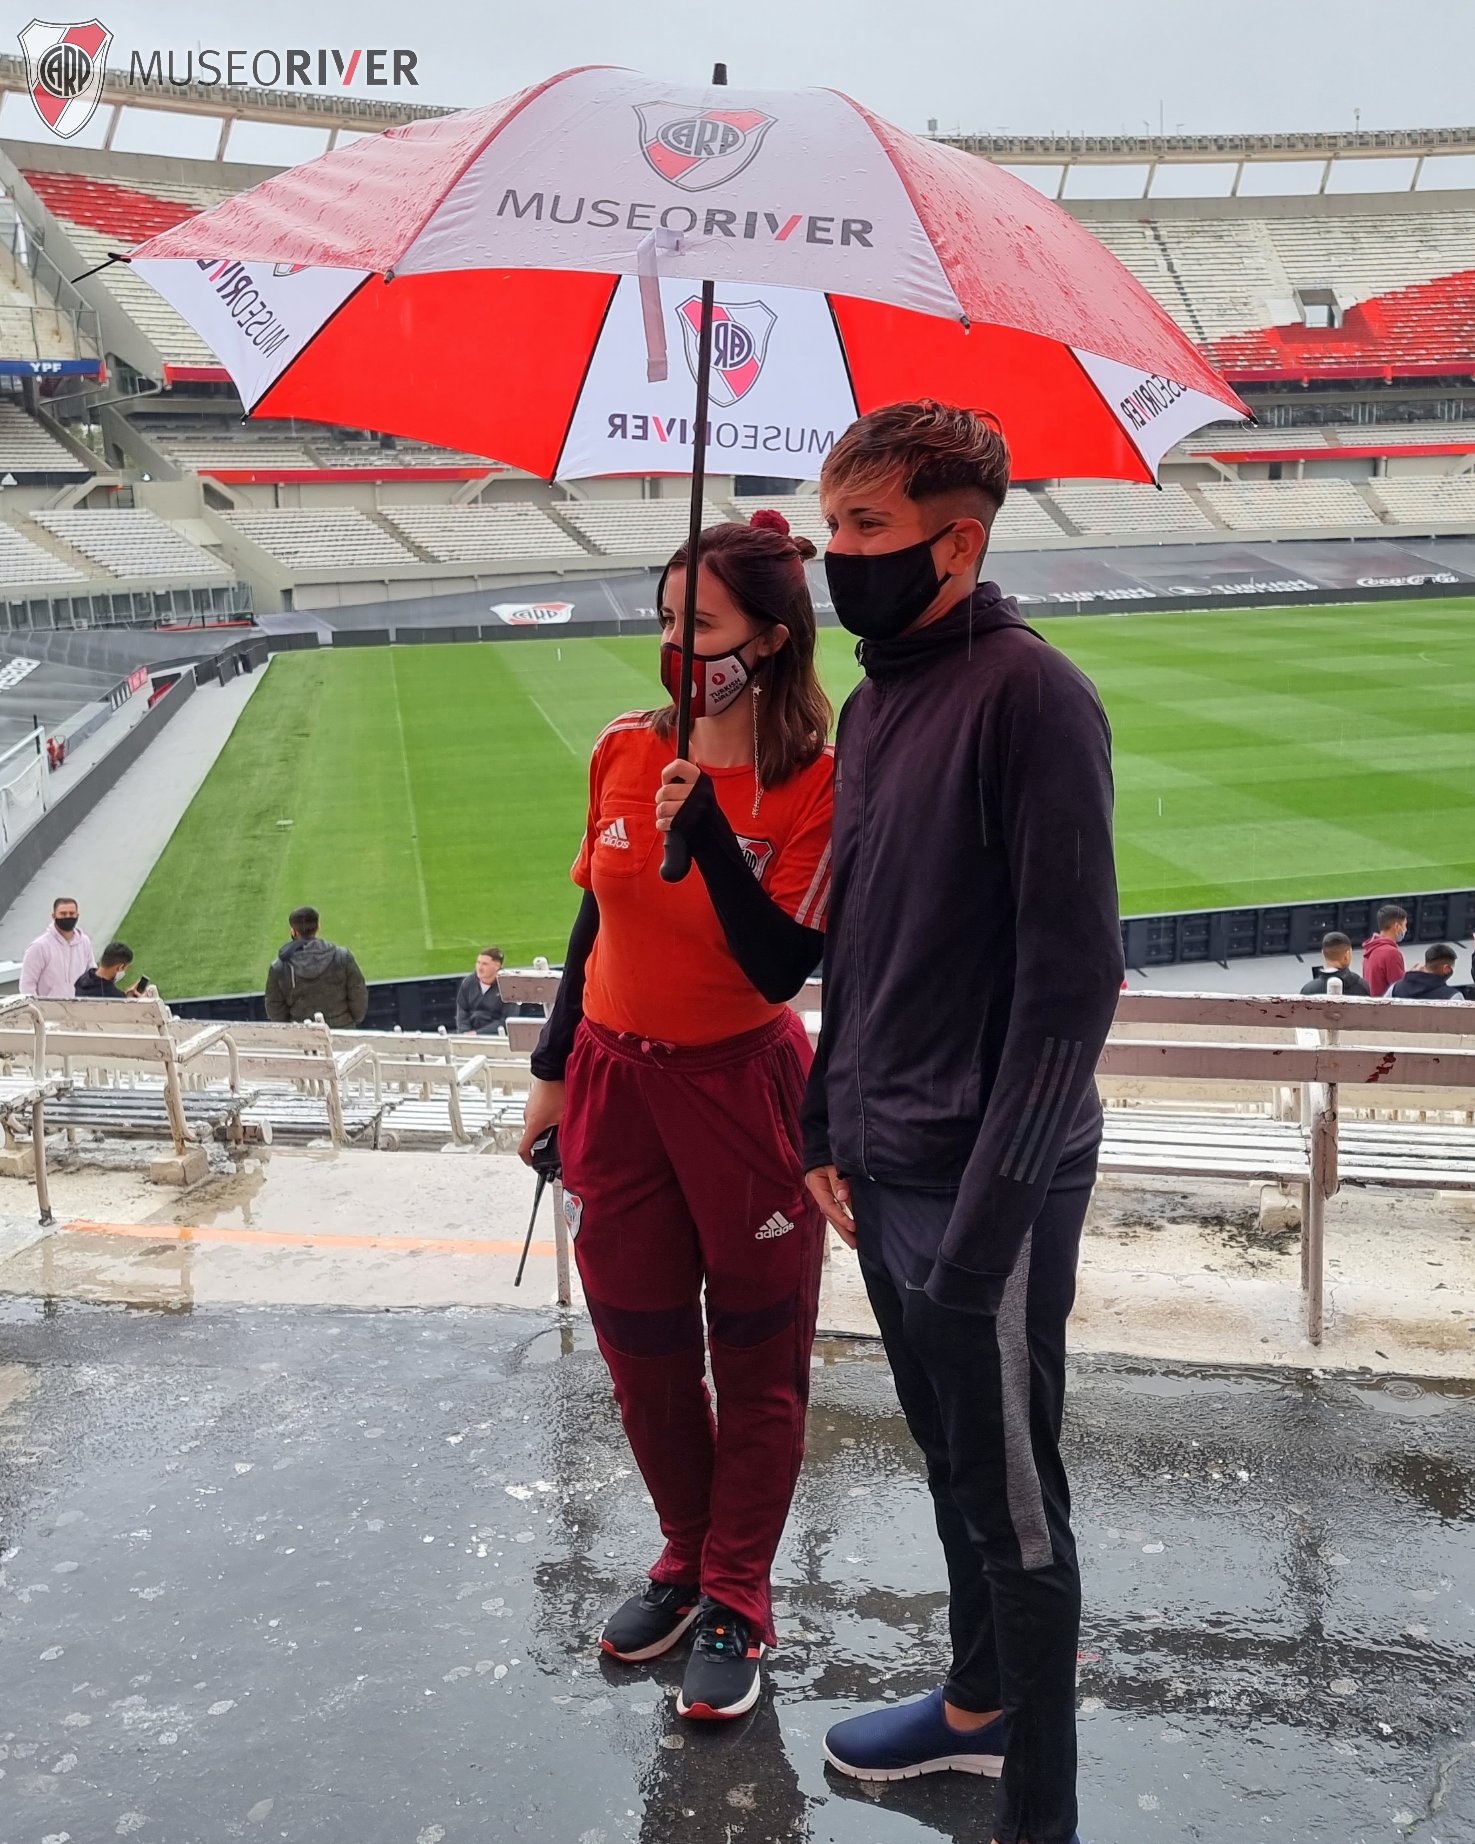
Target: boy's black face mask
x,y
878,595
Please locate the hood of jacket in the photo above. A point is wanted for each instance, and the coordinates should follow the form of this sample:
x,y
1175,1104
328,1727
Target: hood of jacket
x,y
1375,943
1422,984
306,960
985,610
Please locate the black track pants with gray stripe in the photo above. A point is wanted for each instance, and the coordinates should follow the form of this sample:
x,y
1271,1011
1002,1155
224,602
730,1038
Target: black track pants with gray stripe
x,y
983,1398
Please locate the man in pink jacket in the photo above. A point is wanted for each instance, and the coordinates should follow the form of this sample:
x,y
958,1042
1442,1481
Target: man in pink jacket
x,y
58,957
1382,958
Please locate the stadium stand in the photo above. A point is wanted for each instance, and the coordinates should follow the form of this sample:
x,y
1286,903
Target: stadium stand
x,y
1107,506
368,452
1428,499
636,528
326,538
800,509
24,562
1427,329
1397,435
26,448
1238,438
1024,519
228,446
485,534
101,215
132,543
1270,505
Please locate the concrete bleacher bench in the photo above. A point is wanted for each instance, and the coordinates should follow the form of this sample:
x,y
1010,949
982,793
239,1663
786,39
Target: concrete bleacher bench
x,y
85,1040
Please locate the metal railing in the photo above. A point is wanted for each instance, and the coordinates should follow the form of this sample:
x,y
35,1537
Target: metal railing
x,y
23,249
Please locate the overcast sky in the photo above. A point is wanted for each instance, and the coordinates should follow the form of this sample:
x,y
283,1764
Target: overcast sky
x,y
1029,66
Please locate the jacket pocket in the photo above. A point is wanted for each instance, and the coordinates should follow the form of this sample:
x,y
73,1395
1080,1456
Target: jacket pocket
x,y
623,843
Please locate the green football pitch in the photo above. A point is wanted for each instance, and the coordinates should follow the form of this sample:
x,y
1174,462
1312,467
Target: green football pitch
x,y
429,800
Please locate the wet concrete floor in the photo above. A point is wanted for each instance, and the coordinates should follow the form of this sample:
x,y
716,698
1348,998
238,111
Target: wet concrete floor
x,y
317,1574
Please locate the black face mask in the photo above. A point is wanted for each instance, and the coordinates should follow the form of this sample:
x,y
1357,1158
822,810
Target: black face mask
x,y
66,923
880,595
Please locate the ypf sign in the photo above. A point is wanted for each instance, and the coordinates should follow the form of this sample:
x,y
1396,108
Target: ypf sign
x,y
65,68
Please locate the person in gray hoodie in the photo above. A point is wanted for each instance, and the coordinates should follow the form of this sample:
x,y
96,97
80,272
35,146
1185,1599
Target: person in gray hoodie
x,y
311,976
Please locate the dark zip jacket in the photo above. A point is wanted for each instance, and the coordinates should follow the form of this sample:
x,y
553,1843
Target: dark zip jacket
x,y
1423,984
973,957
1353,987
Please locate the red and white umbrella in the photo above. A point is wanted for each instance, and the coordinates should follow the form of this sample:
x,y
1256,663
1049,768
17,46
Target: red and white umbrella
x,y
476,280
509,280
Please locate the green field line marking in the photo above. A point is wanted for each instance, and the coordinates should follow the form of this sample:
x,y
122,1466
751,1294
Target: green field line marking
x,y
537,704
404,756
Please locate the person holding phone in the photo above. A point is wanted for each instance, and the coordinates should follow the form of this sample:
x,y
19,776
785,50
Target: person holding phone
x,y
674,1069
103,980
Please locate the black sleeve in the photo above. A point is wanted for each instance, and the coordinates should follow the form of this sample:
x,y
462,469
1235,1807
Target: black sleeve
x,y
777,953
463,1014
557,1038
1052,785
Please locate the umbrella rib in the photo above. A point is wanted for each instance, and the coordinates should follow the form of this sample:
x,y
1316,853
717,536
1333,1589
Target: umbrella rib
x,y
1152,479
578,398
315,335
844,353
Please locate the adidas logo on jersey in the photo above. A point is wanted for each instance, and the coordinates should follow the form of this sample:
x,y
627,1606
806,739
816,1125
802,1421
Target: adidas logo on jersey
x,y
777,1225
614,834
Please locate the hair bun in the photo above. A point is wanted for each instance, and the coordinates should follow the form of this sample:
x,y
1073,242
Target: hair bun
x,y
769,518
805,548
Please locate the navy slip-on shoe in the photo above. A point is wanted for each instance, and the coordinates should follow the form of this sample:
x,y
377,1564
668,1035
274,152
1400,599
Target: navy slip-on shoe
x,y
904,1740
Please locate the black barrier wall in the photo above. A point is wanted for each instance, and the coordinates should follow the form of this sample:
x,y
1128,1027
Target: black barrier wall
x,y
60,820
1210,936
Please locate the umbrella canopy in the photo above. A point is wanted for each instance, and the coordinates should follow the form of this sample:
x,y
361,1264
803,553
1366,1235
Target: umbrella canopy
x,y
506,280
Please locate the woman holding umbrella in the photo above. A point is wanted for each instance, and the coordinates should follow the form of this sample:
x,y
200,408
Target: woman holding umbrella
x,y
674,1070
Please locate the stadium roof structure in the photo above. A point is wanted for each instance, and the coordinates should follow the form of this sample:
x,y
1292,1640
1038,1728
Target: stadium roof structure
x,y
233,103
1068,151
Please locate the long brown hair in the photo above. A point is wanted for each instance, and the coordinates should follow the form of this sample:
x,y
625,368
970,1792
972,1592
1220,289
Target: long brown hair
x,y
761,566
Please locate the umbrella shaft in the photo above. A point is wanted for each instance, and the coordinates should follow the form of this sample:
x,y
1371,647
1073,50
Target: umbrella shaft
x,y
698,494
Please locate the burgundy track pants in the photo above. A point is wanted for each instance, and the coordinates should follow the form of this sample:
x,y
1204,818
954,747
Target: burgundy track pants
x,y
681,1168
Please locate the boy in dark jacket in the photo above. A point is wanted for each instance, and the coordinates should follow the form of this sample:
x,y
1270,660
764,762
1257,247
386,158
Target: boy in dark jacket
x,y
973,805
310,975
101,981
1336,956
480,1007
1431,981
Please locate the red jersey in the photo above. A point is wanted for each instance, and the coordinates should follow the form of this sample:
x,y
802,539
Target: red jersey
x,y
661,966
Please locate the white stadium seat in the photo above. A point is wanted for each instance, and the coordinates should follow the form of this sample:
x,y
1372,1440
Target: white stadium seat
x,y
23,562
1433,498
637,527
484,534
130,543
326,538
27,448
1118,506
1267,505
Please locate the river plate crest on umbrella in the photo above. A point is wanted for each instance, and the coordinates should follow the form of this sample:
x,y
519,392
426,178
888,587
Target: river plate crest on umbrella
x,y
740,331
459,279
697,149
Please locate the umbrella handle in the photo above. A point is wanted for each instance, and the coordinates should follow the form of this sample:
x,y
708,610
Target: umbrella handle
x,y
676,859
